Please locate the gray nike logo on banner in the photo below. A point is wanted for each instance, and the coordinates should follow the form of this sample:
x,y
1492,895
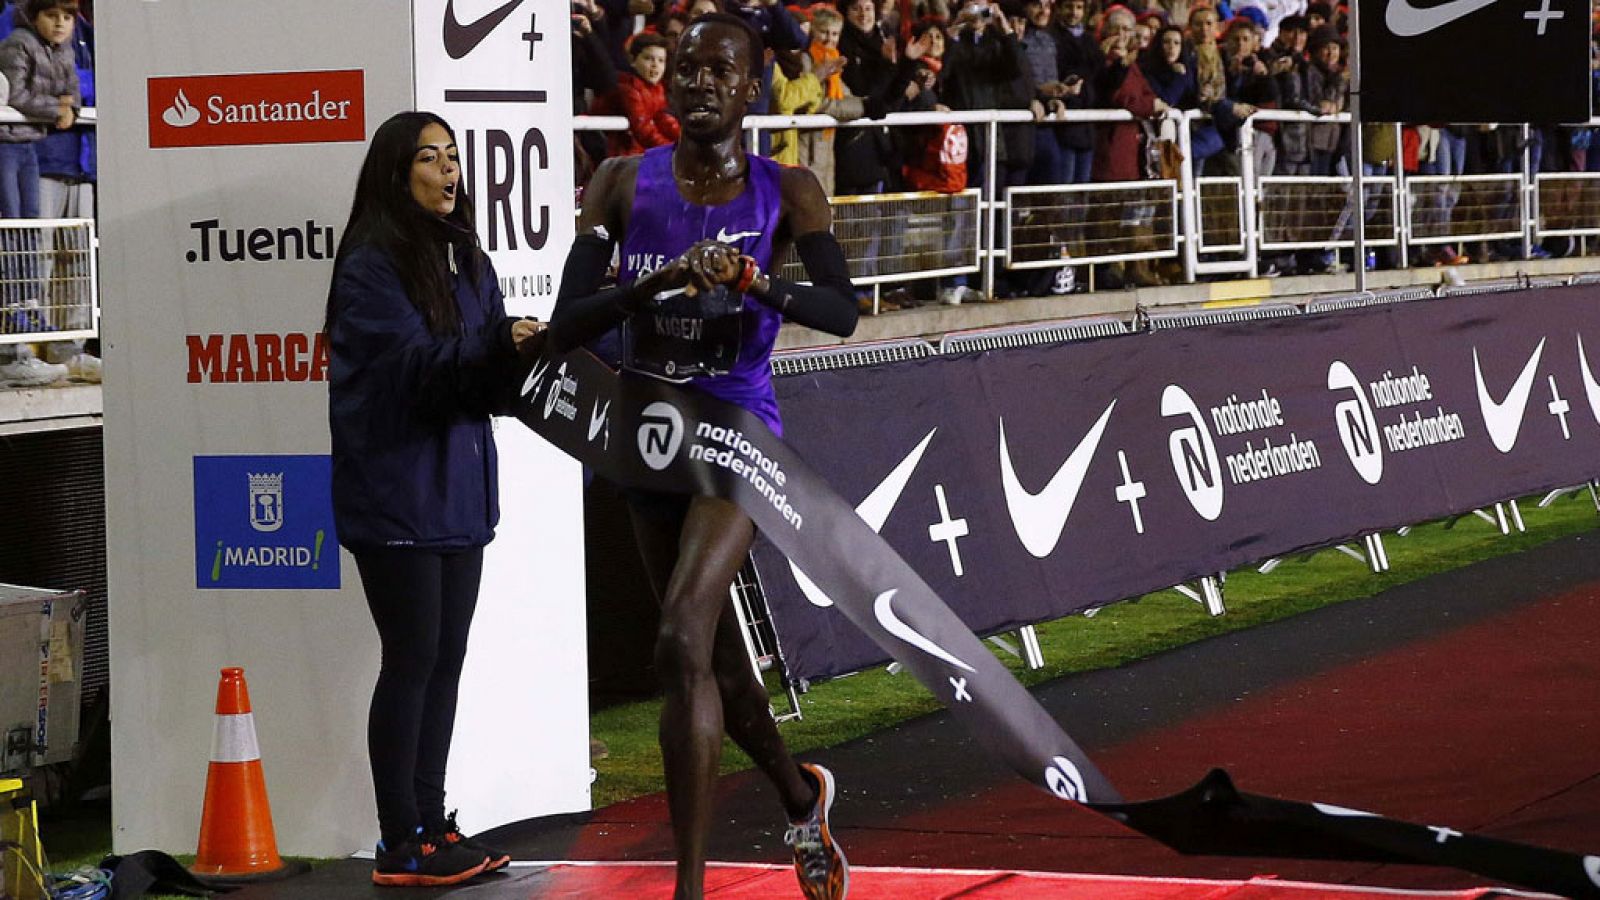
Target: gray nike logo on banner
x,y
1407,20
1040,517
459,39
874,511
1504,419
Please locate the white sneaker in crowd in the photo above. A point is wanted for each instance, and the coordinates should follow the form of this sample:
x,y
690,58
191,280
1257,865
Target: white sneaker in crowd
x,y
950,296
31,372
84,367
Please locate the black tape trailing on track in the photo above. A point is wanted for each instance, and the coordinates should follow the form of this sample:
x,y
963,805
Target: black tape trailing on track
x,y
644,434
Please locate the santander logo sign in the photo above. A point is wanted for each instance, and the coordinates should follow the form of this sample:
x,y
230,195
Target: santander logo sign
x,y
259,108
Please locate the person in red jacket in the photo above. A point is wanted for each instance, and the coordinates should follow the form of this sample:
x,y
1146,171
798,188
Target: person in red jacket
x,y
641,97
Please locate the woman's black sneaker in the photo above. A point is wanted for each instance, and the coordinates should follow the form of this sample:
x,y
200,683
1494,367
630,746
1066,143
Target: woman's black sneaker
x,y
451,834
425,862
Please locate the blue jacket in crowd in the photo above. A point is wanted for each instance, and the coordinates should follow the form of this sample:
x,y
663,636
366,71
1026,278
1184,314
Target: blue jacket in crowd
x,y
413,453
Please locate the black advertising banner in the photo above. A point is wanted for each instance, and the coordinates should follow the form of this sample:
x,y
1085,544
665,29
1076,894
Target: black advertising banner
x,y
1027,484
1475,61
651,435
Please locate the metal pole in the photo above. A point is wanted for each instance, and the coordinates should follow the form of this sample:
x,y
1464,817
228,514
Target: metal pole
x,y
1360,261
1249,187
993,166
1402,234
1190,195
1525,200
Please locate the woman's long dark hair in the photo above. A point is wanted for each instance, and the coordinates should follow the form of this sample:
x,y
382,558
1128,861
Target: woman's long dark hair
x,y
417,242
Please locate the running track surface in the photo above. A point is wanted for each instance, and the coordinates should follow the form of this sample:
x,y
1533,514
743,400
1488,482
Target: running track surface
x,y
1469,699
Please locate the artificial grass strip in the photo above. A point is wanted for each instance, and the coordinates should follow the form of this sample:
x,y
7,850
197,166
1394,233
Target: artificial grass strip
x,y
846,708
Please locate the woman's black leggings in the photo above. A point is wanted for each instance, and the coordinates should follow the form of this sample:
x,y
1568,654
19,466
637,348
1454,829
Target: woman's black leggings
x,y
422,603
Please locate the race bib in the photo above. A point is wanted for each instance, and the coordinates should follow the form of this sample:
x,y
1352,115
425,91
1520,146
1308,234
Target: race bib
x,y
682,337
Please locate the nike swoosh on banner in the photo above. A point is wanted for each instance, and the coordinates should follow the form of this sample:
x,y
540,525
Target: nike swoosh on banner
x,y
1591,867
1591,388
723,237
459,39
1504,419
883,608
1407,20
1039,518
597,418
874,511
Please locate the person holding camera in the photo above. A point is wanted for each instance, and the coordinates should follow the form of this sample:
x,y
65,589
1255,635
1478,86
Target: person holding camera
x,y
987,71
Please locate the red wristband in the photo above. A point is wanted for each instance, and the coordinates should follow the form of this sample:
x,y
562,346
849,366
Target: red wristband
x,y
748,275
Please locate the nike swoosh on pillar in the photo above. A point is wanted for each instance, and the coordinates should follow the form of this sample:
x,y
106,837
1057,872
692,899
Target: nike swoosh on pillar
x,y
874,510
459,39
1408,20
1040,517
883,608
1591,388
1504,419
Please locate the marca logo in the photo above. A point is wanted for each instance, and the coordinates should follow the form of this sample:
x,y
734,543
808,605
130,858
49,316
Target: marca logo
x,y
235,358
260,108
1358,430
1194,456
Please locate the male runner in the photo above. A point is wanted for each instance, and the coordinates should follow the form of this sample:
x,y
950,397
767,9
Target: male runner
x,y
700,222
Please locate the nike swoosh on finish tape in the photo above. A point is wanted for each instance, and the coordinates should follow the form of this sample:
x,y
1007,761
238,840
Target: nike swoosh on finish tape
x,y
1408,20
883,608
1039,518
1504,419
874,510
459,39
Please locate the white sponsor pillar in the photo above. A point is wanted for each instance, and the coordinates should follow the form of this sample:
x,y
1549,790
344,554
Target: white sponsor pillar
x,y
231,133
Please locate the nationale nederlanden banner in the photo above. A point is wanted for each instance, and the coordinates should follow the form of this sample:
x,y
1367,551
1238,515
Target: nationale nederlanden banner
x,y
1028,484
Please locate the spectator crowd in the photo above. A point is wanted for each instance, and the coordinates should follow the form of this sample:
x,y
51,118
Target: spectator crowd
x,y
1226,58
47,170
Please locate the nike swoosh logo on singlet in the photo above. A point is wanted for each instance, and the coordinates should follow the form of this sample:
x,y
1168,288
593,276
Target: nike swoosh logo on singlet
x,y
1407,20
723,237
459,39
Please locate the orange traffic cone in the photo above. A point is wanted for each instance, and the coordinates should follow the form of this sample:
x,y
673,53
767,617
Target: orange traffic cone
x,y
236,838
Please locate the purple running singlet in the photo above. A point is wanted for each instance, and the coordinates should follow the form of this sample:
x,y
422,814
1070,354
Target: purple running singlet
x,y
662,226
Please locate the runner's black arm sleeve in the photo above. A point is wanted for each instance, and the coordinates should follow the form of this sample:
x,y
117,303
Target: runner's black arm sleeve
x,y
583,311
829,302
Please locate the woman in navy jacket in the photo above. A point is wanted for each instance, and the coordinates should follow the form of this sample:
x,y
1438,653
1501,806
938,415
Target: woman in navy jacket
x,y
421,348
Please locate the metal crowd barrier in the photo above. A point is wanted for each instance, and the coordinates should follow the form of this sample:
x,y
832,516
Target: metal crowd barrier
x,y
48,285
1213,224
